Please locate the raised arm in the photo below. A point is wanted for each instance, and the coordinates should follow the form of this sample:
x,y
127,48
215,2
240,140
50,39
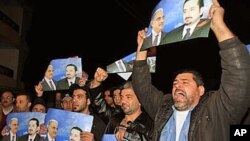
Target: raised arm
x,y
220,29
234,89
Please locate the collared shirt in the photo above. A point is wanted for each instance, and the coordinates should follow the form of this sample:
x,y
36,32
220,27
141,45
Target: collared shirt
x,y
11,136
48,81
49,138
32,138
154,35
192,27
71,81
168,133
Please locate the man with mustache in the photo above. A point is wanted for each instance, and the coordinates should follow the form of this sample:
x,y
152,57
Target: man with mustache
x,y
193,26
32,132
7,106
13,125
157,24
136,124
188,113
71,78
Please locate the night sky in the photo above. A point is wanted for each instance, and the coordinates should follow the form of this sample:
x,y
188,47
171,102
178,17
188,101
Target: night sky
x,y
64,29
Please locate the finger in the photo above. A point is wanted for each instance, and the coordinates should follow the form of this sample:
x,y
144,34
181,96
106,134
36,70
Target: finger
x,y
216,3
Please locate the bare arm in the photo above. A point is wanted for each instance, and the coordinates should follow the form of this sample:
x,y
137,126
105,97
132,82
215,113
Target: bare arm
x,y
220,29
141,55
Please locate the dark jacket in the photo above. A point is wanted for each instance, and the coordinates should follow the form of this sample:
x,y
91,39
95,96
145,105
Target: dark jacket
x,y
216,111
8,138
64,85
110,115
98,127
46,86
201,30
26,137
148,41
140,129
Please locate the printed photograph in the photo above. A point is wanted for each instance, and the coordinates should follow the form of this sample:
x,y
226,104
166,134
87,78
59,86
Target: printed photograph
x,y
173,21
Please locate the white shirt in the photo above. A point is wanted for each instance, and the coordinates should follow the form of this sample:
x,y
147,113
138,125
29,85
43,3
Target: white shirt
x,y
192,27
32,138
11,135
159,37
180,118
48,82
73,81
49,138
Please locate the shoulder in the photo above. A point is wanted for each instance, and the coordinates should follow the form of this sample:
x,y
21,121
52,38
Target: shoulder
x,y
62,80
203,22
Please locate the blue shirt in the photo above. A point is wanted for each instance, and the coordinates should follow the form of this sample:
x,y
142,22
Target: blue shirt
x,y
168,133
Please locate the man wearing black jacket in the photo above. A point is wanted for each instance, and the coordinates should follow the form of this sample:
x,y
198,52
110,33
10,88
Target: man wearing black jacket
x,y
190,114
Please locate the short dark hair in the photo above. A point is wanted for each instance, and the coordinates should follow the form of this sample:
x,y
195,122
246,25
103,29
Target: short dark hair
x,y
75,86
73,65
7,90
24,94
77,128
113,89
199,2
196,75
39,100
37,121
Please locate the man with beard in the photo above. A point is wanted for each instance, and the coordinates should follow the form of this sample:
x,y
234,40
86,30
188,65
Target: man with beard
x,y
33,132
136,124
188,113
81,104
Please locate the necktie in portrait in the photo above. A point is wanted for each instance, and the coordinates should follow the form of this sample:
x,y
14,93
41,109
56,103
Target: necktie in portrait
x,y
155,41
51,85
187,35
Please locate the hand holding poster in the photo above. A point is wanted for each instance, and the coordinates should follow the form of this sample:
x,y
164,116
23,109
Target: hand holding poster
x,y
126,64
56,124
23,124
61,73
68,123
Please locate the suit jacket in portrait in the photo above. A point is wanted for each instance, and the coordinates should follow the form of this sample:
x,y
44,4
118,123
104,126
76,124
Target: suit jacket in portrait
x,y
201,30
147,43
46,86
47,139
64,85
7,138
26,137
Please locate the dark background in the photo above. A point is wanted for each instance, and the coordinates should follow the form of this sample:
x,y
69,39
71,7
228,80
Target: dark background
x,y
101,32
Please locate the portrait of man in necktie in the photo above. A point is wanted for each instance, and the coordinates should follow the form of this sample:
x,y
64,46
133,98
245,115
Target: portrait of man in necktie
x,y
70,77
156,31
194,25
52,130
32,134
13,127
67,71
48,83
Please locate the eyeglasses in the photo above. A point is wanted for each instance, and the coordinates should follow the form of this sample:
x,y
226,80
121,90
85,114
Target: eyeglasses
x,y
8,97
